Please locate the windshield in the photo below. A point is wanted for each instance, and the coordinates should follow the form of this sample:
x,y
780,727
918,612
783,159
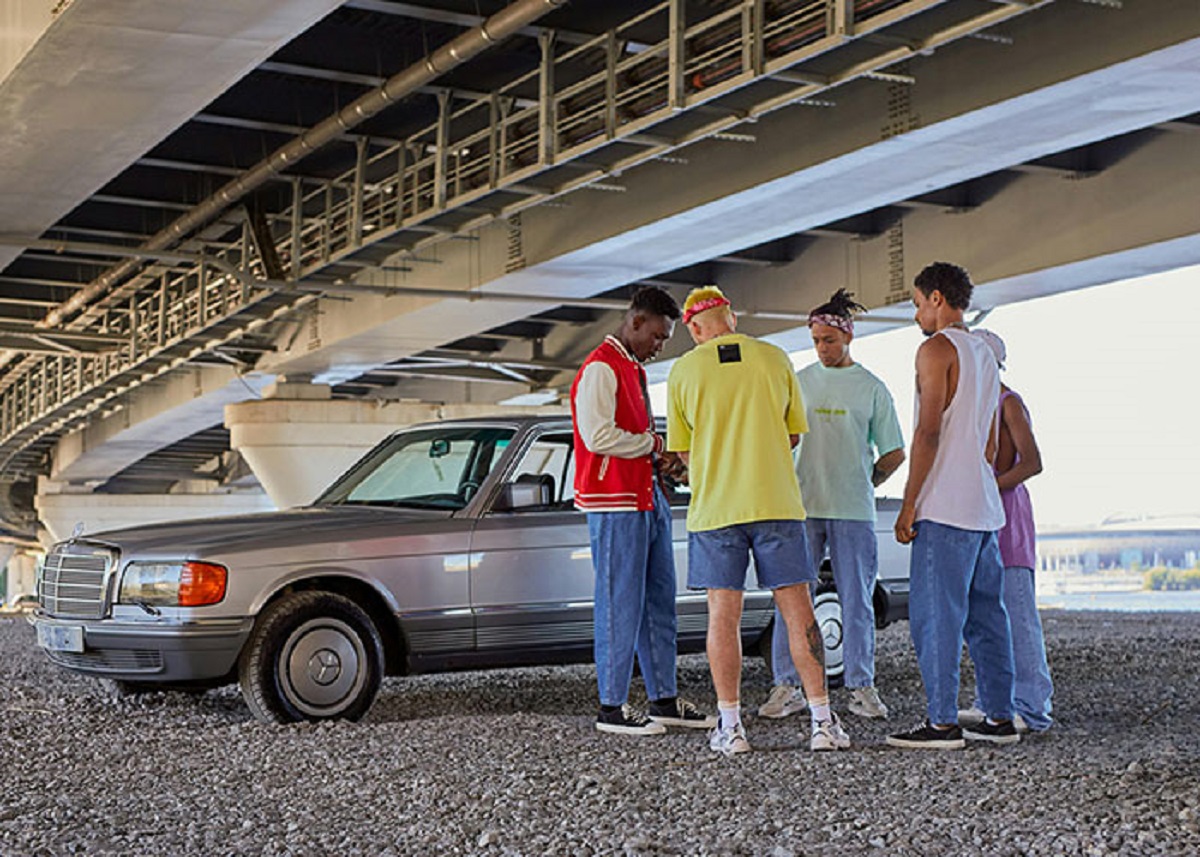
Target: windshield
x,y
434,468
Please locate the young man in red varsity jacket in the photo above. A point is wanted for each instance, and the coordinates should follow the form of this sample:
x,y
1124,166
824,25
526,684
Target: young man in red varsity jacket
x,y
629,522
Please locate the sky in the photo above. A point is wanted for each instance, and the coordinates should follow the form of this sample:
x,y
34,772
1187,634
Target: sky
x,y
1111,377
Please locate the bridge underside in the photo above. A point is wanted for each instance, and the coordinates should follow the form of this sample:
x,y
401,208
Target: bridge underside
x,y
471,241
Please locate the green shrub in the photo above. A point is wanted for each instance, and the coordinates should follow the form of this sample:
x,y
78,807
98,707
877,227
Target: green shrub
x,y
1171,579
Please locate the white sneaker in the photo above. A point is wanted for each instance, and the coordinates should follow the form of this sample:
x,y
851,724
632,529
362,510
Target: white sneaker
x,y
784,701
970,716
829,735
865,702
729,741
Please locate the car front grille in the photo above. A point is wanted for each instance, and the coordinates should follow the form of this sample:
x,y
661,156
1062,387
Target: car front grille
x,y
73,580
110,660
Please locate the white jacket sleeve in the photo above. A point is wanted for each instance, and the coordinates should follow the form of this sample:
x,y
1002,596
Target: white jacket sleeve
x,y
596,412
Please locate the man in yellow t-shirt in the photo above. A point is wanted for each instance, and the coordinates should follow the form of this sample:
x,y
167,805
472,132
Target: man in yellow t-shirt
x,y
734,412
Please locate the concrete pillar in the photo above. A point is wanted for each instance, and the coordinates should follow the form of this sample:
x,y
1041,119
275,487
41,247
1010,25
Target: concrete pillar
x,y
298,440
6,552
60,508
21,566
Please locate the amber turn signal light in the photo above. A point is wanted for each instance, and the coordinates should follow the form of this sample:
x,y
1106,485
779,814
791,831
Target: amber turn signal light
x,y
202,583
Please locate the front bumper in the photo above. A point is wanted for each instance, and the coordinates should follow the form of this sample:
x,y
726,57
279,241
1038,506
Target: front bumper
x,y
144,651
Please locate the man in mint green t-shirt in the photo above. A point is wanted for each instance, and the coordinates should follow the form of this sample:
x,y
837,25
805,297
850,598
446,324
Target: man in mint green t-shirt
x,y
850,415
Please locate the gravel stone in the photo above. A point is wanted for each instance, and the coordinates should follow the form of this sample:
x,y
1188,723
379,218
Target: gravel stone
x,y
508,763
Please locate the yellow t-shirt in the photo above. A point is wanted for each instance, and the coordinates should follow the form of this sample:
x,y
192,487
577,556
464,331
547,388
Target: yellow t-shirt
x,y
731,404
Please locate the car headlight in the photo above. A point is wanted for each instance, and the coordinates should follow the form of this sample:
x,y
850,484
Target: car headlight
x,y
173,584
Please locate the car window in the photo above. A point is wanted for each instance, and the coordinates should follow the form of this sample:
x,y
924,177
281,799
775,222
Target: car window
x,y
435,468
551,455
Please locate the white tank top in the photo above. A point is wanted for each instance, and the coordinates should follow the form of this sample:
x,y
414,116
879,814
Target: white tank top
x,y
960,490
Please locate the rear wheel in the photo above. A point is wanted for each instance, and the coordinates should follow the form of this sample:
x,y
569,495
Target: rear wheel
x,y
311,656
828,610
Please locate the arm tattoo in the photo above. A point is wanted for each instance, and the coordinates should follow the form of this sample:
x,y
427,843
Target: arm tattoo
x,y
816,645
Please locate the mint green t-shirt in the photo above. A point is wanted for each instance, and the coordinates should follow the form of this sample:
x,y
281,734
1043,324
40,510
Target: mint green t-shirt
x,y
850,414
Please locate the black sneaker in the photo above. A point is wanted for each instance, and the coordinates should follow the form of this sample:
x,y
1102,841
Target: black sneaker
x,y
679,712
627,720
1004,732
926,737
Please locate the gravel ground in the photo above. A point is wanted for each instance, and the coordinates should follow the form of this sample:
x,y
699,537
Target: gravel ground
x,y
507,762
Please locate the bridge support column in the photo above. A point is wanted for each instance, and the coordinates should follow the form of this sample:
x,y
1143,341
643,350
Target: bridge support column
x,y
297,439
6,556
20,566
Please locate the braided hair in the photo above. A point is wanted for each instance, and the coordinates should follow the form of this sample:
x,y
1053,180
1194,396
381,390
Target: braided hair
x,y
841,304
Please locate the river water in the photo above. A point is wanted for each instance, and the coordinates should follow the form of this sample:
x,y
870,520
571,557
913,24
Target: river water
x,y
1135,600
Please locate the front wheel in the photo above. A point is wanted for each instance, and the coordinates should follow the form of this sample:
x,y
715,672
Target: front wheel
x,y
311,656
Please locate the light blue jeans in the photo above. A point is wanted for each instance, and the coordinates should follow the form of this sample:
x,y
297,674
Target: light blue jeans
x,y
853,553
634,610
1033,686
956,592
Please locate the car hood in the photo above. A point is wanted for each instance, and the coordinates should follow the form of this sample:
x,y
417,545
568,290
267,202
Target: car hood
x,y
201,537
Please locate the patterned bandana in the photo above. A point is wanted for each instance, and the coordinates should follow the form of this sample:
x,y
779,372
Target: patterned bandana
x,y
830,320
701,306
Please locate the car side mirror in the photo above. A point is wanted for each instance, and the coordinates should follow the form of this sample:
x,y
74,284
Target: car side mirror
x,y
522,495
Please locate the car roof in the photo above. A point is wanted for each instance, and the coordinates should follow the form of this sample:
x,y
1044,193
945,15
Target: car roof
x,y
518,420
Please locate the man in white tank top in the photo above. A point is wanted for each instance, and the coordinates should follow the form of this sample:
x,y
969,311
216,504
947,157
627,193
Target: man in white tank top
x,y
950,514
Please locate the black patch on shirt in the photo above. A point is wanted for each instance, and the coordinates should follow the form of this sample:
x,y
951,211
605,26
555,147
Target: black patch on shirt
x,y
731,352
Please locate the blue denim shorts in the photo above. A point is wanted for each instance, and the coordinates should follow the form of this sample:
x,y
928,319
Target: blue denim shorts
x,y
718,559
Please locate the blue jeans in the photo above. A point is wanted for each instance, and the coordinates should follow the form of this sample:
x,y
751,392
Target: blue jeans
x,y
956,591
853,553
634,610
1033,687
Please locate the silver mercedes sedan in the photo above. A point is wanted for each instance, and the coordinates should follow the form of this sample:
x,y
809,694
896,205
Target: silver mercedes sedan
x,y
451,545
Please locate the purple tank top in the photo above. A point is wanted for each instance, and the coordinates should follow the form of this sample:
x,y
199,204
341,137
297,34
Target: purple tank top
x,y
1017,540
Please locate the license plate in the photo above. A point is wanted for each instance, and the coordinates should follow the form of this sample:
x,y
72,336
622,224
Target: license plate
x,y
60,638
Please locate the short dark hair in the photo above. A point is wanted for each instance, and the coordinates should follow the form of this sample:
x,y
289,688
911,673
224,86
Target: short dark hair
x,y
653,300
841,304
951,280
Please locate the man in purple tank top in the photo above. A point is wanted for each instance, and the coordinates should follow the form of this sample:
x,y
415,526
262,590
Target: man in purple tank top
x,y
1018,459
950,514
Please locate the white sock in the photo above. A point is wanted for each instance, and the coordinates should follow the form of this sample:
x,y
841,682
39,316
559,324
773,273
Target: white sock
x,y
731,714
819,710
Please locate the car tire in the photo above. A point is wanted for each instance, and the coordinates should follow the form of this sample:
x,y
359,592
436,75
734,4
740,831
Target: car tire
x,y
766,648
311,656
828,610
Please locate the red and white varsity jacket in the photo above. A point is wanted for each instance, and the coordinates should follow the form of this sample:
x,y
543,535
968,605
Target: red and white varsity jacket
x,y
619,476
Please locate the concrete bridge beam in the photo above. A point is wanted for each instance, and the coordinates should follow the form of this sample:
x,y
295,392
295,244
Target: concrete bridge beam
x,y
153,417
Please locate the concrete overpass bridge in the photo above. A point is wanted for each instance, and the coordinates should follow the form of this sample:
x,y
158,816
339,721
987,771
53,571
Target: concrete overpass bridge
x,y
238,244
